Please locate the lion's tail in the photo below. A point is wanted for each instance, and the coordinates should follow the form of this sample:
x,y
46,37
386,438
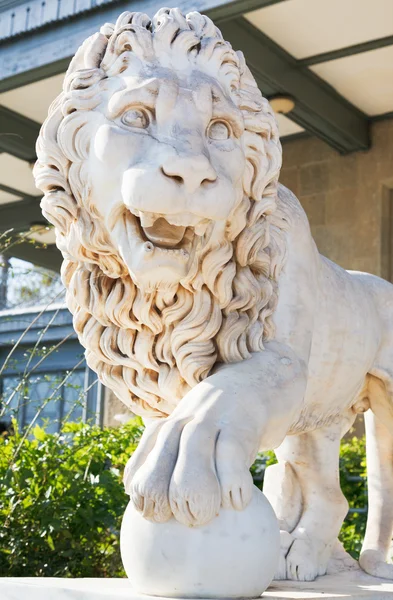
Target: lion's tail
x,y
379,447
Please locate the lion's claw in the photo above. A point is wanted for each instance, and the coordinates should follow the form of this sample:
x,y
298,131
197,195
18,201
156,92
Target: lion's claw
x,y
188,468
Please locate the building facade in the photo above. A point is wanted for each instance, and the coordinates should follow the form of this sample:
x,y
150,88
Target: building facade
x,y
348,199
44,378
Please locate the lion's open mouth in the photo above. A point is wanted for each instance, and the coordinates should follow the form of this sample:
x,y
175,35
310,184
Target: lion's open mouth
x,y
174,234
163,234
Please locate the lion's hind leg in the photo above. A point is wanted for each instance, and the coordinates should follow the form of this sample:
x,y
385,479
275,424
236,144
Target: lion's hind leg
x,y
379,440
282,488
314,458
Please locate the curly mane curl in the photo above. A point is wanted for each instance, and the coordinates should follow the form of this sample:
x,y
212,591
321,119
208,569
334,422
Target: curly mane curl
x,y
149,347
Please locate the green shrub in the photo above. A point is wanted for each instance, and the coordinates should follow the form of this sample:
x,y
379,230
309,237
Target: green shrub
x,y
62,499
354,485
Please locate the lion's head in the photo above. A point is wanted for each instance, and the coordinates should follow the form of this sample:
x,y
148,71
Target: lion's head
x,y
159,162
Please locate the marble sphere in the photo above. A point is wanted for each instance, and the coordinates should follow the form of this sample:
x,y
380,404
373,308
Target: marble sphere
x,y
235,555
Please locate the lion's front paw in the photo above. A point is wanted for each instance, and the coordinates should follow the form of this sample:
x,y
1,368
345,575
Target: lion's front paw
x,y
146,485
286,540
305,561
373,562
188,468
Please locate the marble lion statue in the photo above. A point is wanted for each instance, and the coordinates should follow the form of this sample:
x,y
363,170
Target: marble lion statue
x,y
200,296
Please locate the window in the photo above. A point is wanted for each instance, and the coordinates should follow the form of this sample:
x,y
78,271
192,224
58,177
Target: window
x,y
44,380
55,401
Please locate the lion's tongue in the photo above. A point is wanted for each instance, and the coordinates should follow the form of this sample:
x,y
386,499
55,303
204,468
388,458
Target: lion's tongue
x,y
164,234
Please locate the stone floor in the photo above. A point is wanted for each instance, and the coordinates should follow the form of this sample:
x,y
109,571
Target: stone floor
x,y
339,587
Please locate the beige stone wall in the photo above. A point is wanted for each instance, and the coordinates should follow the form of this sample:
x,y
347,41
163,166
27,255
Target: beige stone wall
x,y
349,202
347,198
115,412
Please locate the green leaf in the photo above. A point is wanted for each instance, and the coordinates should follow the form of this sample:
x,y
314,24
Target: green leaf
x,y
50,541
39,433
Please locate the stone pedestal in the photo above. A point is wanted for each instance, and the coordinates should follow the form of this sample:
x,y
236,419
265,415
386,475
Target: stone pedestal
x,y
343,586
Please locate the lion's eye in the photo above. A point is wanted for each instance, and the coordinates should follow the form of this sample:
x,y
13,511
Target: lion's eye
x,y
219,130
136,117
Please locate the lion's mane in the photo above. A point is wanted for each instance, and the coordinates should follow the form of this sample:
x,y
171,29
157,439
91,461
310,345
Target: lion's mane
x,y
149,347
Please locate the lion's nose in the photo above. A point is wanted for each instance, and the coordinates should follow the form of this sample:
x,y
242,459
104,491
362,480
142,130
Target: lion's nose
x,y
190,171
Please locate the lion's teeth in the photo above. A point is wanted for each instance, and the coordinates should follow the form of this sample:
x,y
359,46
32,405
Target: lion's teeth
x,y
200,229
182,220
180,252
177,220
147,219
